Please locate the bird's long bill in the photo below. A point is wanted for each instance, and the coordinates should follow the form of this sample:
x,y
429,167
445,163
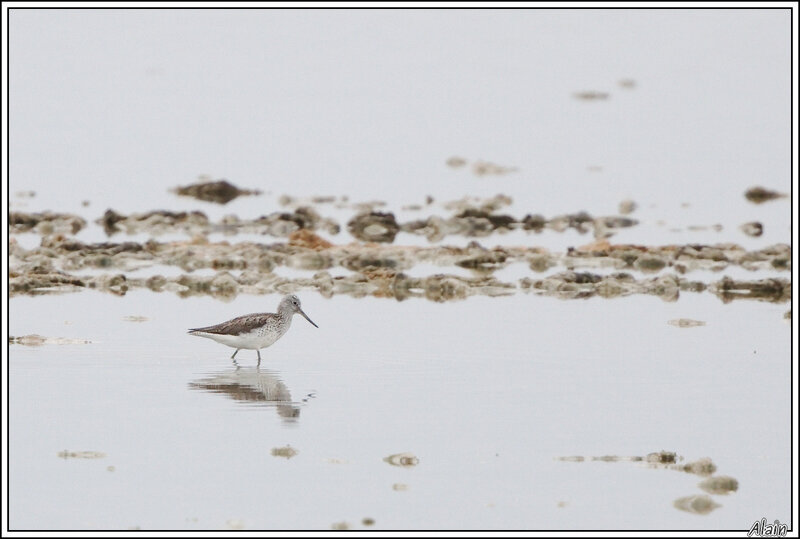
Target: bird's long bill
x,y
307,318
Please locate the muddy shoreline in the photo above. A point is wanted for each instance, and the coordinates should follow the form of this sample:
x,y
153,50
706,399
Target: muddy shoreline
x,y
376,262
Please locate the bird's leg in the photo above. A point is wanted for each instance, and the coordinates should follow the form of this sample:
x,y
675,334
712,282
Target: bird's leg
x,y
234,354
259,356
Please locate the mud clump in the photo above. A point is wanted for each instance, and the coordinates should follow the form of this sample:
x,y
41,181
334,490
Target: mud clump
x,y
480,167
377,268
113,222
308,240
759,195
302,218
772,290
39,340
662,457
490,204
279,224
220,191
374,227
582,285
580,221
702,467
45,223
699,504
721,484
43,280
402,459
286,452
486,168
456,162
591,95
534,222
484,221
753,229
647,264
583,222
484,262
441,288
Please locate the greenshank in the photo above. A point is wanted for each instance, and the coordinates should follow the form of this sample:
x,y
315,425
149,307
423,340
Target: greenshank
x,y
255,331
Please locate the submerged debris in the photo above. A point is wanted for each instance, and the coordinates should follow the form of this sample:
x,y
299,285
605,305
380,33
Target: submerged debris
x,y
80,454
135,318
480,167
686,323
659,459
234,524
456,162
402,459
220,191
591,95
571,459
627,207
38,340
285,452
485,168
758,195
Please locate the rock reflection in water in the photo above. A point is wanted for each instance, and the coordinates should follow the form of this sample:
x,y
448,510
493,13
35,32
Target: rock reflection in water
x,y
252,386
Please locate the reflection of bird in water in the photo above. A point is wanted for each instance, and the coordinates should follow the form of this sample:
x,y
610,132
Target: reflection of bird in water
x,y
254,331
252,386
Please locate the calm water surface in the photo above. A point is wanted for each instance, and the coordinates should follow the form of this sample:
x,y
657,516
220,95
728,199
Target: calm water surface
x,y
486,394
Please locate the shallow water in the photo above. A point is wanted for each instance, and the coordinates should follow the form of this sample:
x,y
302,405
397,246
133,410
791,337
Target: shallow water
x,y
486,393
523,411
